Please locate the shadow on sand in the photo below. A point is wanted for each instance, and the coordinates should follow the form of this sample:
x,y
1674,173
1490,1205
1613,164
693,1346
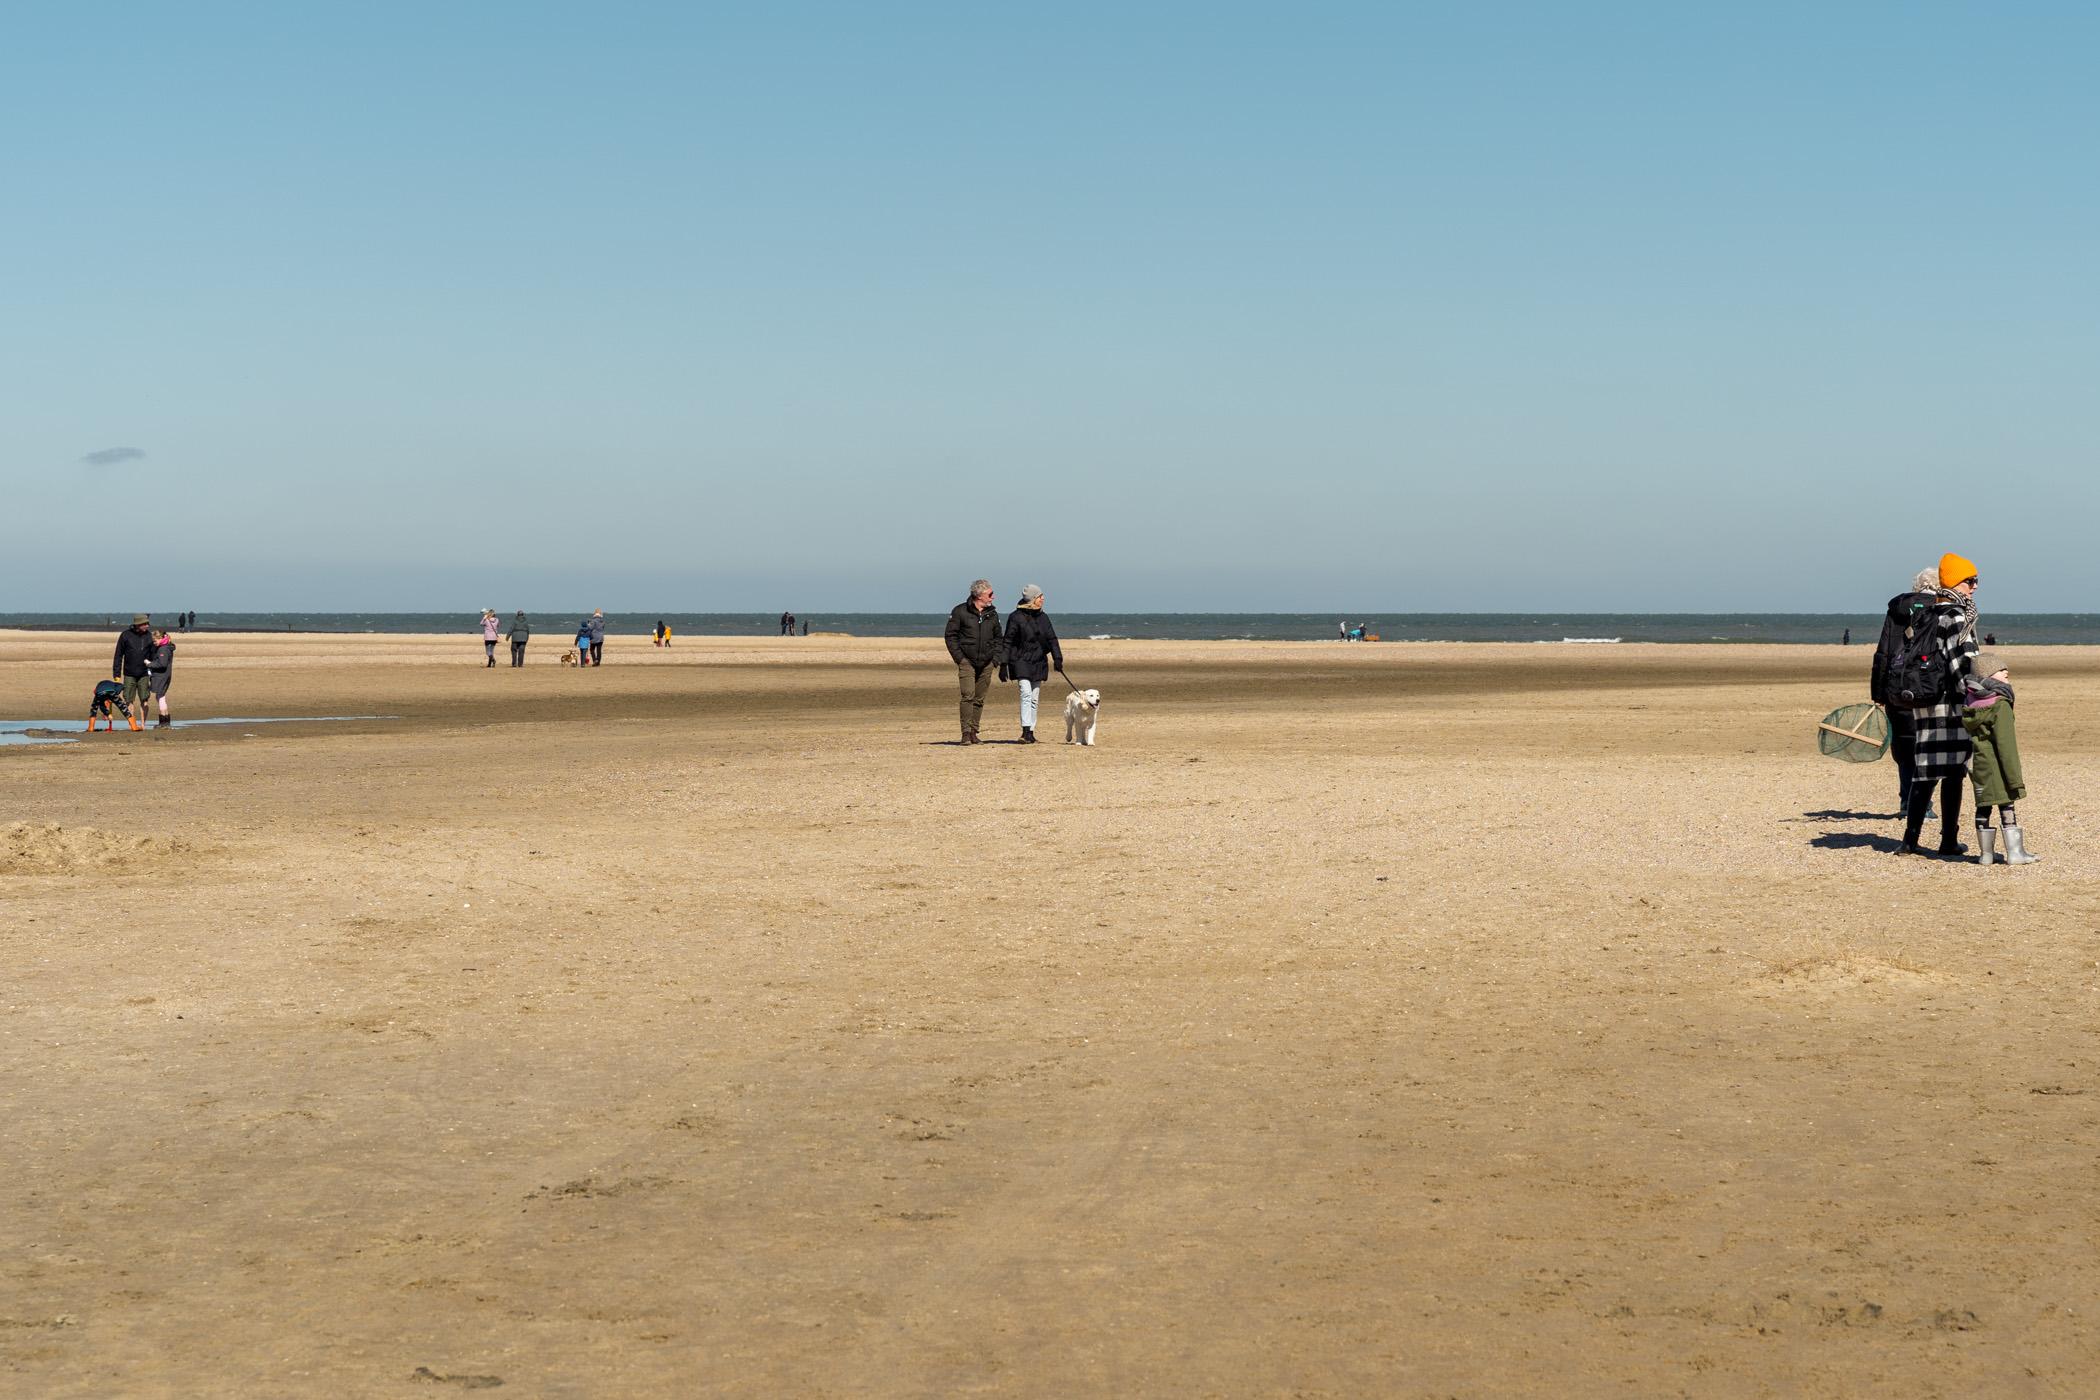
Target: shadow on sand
x,y
1833,814
1854,841
1889,845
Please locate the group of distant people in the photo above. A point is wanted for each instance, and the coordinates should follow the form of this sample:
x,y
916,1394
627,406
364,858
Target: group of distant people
x,y
1352,634
590,636
1950,709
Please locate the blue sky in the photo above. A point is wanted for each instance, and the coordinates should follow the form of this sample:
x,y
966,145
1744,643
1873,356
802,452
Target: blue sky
x,y
1404,307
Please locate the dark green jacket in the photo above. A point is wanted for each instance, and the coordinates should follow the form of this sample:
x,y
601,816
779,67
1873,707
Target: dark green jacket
x,y
1995,766
973,636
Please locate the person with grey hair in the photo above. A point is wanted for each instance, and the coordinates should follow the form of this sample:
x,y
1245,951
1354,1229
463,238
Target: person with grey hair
x,y
1031,652
1924,663
978,650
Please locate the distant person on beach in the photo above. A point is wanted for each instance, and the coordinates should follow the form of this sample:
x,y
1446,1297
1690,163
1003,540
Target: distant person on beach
x,y
595,626
805,627
520,633
1939,618
667,633
787,620
659,632
130,664
160,670
1995,768
1847,639
1031,652
489,628
1343,628
1990,639
975,646
583,643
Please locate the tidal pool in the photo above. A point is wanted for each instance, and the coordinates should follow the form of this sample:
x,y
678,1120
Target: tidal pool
x,y
66,731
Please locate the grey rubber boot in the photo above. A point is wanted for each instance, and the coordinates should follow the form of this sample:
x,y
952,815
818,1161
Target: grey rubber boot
x,y
1986,839
2016,848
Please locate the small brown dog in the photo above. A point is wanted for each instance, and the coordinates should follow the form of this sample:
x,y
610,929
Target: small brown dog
x,y
568,658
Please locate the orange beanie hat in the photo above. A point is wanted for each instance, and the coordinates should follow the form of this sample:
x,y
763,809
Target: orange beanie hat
x,y
1954,569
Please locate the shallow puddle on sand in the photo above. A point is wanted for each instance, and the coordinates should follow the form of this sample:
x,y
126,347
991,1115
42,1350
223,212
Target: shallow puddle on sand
x,y
66,731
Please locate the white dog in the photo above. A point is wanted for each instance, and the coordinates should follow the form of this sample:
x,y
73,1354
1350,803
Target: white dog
x,y
1082,716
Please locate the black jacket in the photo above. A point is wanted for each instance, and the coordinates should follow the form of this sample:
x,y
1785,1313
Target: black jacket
x,y
973,636
1905,610
1030,639
163,658
134,650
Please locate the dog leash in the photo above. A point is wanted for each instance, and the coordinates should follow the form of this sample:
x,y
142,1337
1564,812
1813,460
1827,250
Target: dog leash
x,y
1068,681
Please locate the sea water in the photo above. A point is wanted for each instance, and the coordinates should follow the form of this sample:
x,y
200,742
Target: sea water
x,y
558,628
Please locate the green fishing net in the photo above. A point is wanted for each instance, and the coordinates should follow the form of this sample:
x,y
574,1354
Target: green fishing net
x,y
1855,733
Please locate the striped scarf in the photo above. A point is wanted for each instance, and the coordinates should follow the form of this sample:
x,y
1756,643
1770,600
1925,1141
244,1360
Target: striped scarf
x,y
1968,610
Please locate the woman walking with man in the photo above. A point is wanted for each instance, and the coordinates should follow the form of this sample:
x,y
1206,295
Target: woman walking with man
x,y
1032,652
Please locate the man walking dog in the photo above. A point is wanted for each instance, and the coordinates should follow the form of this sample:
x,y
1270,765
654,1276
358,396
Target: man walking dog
x,y
975,644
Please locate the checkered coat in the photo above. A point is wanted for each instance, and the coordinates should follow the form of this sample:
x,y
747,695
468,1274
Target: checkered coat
x,y
1943,744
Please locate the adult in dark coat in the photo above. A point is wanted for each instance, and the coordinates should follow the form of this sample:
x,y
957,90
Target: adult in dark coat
x,y
1031,652
1941,752
1903,730
130,665
520,634
976,648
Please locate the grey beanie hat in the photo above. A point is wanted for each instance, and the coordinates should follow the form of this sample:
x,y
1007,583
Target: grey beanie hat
x,y
1030,593
1988,664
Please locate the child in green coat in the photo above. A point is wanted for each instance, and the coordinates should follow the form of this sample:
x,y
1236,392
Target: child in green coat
x,y
1994,766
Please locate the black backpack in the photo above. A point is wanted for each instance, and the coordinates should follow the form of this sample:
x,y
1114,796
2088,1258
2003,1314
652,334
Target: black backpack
x,y
1912,672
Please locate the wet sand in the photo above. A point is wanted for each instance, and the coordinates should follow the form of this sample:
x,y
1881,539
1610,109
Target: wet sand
x,y
1411,1020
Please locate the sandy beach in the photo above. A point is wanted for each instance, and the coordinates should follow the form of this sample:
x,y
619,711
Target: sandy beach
x,y
1403,1020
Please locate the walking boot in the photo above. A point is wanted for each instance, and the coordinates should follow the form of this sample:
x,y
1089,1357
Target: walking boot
x,y
970,737
2016,848
165,723
1986,839
1028,735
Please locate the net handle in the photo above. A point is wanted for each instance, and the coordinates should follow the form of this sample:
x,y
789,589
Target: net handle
x,y
1854,732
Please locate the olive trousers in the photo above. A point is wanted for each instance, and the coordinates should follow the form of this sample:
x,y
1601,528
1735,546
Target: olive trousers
x,y
975,682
